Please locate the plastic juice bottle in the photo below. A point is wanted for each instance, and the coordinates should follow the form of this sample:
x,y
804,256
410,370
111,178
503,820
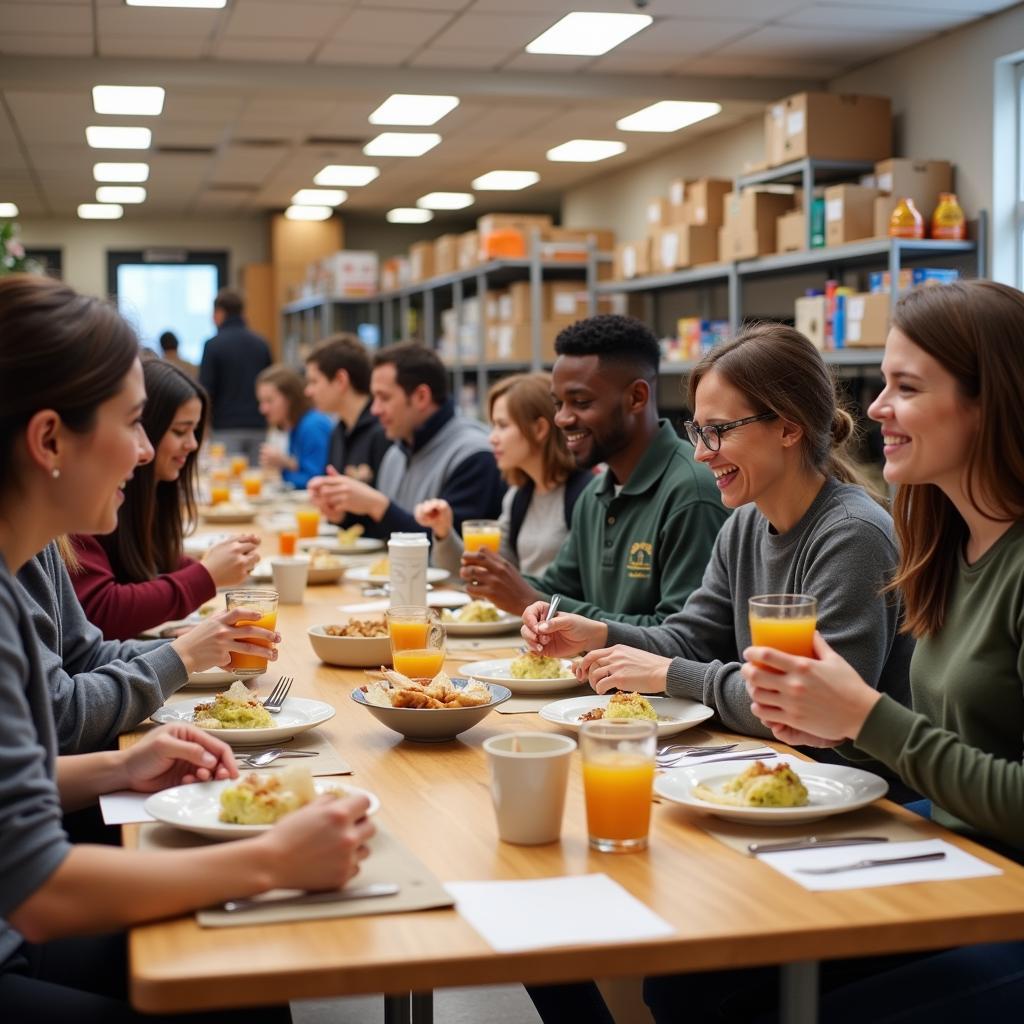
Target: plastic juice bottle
x,y
423,663
906,220
948,221
793,636
618,796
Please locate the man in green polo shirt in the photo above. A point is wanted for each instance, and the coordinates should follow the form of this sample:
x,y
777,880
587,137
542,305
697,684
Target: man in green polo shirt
x,y
642,532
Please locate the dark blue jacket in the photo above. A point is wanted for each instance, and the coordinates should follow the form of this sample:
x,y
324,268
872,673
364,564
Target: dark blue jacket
x,y
232,360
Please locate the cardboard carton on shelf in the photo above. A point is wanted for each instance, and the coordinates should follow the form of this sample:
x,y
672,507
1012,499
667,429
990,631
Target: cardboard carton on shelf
x,y
677,200
348,273
395,273
513,343
520,302
828,126
508,235
810,319
657,213
604,241
704,202
632,259
749,228
446,255
849,213
683,245
468,254
921,180
421,261
866,319
791,231
570,301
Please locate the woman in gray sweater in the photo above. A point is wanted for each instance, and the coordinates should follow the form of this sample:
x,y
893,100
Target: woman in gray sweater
x,y
71,392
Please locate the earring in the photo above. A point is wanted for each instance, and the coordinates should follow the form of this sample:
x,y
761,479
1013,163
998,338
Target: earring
x,y
55,474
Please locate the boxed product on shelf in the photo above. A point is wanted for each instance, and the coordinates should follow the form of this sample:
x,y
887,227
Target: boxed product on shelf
x,y
921,180
395,273
517,308
468,250
421,261
862,320
695,337
749,224
910,277
508,235
849,213
632,259
570,300
810,319
513,343
658,213
704,202
446,254
604,240
683,245
828,126
348,273
677,200
791,231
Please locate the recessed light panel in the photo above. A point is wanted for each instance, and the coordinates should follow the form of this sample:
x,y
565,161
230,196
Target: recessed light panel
x,y
585,151
445,201
212,5
308,212
319,197
120,172
505,181
147,100
408,215
120,194
8,209
346,175
109,137
401,144
586,34
667,116
100,211
408,108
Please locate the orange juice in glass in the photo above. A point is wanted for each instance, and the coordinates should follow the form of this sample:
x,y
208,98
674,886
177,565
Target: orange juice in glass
x,y
785,622
264,604
217,450
481,533
252,483
219,493
219,475
239,464
618,776
286,542
417,641
308,520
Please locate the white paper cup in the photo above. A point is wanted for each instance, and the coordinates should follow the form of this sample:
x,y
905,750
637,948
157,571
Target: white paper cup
x,y
290,575
529,773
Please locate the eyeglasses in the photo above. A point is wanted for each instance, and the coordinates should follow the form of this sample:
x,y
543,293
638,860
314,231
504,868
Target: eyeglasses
x,y
712,435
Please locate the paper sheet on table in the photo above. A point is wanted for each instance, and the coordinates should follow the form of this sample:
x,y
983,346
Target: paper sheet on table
x,y
540,913
956,864
124,808
435,599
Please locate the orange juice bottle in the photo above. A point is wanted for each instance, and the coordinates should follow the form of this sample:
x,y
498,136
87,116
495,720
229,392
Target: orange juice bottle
x,y
906,220
948,221
286,542
408,635
618,795
423,663
309,521
219,493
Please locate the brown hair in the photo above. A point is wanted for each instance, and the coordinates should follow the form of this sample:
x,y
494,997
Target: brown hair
x,y
229,302
528,399
343,352
58,350
414,365
291,385
973,329
778,370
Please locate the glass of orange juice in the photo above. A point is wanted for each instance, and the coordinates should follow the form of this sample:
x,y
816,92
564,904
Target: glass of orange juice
x,y
784,621
219,475
618,776
239,464
481,533
252,483
417,641
286,542
219,493
308,520
217,450
264,604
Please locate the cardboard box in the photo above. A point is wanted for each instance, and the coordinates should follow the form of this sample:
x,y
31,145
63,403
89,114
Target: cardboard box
x,y
683,246
866,320
810,319
446,255
516,231
632,259
394,273
348,273
468,250
704,199
518,309
749,228
849,213
677,200
828,126
421,261
513,343
921,180
520,221
658,214
570,301
604,240
791,231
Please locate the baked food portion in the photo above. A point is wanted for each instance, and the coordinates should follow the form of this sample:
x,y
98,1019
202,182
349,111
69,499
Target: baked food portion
x,y
538,666
262,799
236,708
475,611
759,786
623,706
399,691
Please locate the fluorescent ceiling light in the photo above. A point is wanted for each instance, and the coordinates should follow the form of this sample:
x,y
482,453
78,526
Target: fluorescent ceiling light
x,y
445,201
100,211
308,212
585,151
347,175
209,4
408,108
505,181
8,209
585,34
107,137
120,194
147,100
319,197
120,172
401,144
667,116
408,215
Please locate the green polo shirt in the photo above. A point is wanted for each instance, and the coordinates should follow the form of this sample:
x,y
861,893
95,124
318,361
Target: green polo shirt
x,y
636,556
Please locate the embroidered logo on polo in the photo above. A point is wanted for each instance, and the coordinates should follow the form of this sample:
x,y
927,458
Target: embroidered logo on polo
x,y
640,563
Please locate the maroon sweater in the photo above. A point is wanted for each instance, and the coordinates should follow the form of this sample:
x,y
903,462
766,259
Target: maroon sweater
x,y
124,610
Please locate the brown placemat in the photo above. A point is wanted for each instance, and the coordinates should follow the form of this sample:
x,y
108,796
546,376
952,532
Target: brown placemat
x,y
869,821
389,861
521,704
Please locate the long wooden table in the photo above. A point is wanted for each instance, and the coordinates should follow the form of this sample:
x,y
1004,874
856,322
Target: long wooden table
x,y
728,910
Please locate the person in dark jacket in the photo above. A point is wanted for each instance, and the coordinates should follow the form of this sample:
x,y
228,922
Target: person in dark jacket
x,y
232,360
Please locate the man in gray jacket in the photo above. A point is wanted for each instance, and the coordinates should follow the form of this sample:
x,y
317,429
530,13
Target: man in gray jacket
x,y
436,455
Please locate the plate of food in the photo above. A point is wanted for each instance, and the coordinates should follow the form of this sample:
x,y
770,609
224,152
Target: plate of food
x,y
778,792
199,543
229,512
673,714
210,678
238,716
248,805
357,643
380,572
323,568
349,541
529,673
479,618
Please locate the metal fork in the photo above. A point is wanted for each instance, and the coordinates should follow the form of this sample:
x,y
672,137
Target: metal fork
x,y
276,700
690,749
675,762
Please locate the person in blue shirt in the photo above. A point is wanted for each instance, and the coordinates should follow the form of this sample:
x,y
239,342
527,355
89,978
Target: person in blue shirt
x,y
282,397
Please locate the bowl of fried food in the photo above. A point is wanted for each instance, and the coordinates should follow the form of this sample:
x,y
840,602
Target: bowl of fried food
x,y
324,567
357,643
429,710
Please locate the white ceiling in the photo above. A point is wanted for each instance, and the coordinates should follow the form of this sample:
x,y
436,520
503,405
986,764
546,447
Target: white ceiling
x,y
263,94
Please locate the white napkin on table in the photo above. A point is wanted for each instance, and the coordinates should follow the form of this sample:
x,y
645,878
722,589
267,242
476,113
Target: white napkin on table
x,y
435,599
124,808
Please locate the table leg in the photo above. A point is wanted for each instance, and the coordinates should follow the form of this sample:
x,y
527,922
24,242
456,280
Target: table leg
x,y
397,1009
798,993
423,1008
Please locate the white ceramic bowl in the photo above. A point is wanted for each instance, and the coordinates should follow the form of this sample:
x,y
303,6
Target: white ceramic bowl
x,y
350,651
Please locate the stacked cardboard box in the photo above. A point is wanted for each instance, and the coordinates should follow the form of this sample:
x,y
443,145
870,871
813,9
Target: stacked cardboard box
x,y
828,126
508,235
395,273
849,213
421,261
446,255
347,274
750,223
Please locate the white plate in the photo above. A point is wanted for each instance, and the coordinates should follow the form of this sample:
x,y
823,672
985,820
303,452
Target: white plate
x,y
675,714
505,624
211,677
298,715
831,788
361,546
235,514
195,808
198,544
362,575
497,671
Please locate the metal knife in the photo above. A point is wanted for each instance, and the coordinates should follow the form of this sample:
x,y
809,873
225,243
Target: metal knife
x,y
811,842
362,892
879,863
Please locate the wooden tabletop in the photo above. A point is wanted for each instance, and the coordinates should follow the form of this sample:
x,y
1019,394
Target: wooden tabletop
x,y
728,909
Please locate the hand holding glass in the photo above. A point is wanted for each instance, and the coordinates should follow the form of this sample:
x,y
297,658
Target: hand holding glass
x,y
481,533
785,622
264,603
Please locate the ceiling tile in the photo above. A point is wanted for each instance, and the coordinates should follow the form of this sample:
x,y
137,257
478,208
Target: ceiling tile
x,y
556,9
540,63
46,45
416,5
976,7
636,63
201,107
51,19
278,50
152,46
246,164
850,15
188,134
763,67
298,111
475,58
492,31
264,20
120,20
686,35
51,116
777,42
335,52
386,26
